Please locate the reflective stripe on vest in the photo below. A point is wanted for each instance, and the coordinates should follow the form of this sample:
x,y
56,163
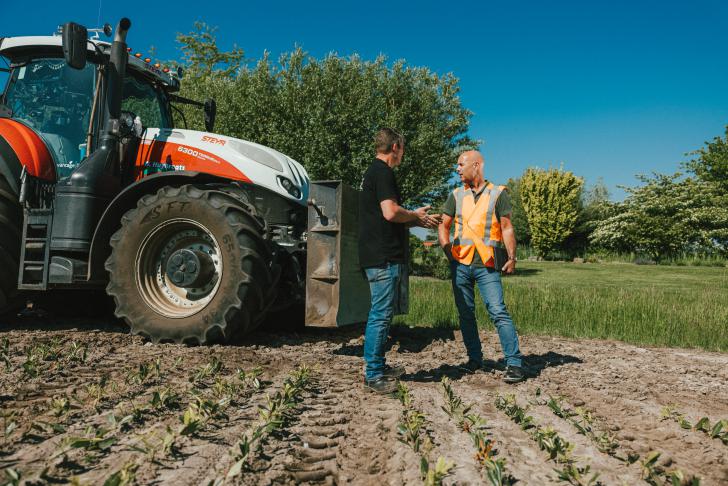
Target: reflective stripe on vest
x,y
470,236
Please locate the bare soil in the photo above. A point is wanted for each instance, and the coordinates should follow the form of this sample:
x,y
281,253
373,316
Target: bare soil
x,y
340,433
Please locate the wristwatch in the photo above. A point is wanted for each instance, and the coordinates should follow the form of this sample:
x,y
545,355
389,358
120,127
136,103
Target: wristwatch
x,y
514,259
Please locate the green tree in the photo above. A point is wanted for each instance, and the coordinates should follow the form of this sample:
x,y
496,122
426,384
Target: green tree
x,y
594,206
551,202
518,215
710,163
324,112
670,215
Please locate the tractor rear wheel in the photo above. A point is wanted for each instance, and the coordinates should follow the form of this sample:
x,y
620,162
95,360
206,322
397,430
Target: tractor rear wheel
x,y
191,264
11,237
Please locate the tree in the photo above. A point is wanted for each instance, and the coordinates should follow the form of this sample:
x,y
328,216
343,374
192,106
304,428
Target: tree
x,y
667,216
593,206
711,162
518,215
324,112
550,199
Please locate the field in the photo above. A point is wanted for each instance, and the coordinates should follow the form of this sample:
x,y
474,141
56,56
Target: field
x,y
641,304
82,401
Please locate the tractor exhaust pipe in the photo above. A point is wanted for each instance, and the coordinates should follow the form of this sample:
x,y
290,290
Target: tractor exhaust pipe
x,y
95,181
118,59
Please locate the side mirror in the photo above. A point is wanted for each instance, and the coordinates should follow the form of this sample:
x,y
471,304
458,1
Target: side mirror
x,y
75,37
210,111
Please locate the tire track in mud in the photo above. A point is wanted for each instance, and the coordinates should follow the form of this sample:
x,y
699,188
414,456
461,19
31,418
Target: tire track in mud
x,y
639,428
343,434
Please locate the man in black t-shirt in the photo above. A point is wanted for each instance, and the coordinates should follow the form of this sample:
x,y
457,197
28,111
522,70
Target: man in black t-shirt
x,y
383,240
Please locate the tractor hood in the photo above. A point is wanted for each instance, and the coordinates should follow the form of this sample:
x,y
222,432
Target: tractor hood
x,y
175,149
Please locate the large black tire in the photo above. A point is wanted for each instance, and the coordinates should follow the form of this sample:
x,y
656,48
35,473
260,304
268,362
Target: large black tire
x,y
191,218
11,238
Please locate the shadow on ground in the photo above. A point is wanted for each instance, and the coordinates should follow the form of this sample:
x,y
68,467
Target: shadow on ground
x,y
534,364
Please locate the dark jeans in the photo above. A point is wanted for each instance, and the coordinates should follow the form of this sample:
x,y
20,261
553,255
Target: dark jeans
x,y
384,288
464,278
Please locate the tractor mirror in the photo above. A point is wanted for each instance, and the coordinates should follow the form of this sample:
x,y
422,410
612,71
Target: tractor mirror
x,y
210,111
75,37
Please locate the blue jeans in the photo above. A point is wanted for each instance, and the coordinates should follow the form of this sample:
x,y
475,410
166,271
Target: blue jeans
x,y
464,277
384,288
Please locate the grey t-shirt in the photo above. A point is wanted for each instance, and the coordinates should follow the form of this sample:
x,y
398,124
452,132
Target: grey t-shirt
x,y
502,208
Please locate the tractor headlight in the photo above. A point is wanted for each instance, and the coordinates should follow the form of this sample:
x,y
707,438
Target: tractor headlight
x,y
290,187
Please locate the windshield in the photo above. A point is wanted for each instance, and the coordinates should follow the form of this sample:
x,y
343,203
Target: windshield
x,y
143,100
55,100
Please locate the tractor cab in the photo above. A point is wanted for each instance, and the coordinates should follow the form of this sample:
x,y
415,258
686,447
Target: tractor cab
x,y
63,104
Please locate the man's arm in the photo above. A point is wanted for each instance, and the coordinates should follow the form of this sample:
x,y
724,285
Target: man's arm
x,y
509,239
443,235
394,213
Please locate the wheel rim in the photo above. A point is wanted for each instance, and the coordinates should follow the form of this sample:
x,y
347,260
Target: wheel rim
x,y
152,261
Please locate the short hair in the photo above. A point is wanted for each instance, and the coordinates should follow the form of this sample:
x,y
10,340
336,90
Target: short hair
x,y
385,140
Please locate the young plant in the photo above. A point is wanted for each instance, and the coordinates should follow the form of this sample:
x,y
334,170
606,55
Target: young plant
x,y
273,415
5,354
165,398
12,477
139,375
211,369
9,424
125,476
577,476
433,476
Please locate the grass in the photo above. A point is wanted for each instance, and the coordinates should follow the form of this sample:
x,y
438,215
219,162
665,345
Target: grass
x,y
673,306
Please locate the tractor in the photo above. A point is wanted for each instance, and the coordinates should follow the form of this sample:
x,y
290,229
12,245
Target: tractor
x,y
196,236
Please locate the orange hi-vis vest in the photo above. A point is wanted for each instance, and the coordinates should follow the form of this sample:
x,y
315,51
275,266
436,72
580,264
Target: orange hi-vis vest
x,y
476,227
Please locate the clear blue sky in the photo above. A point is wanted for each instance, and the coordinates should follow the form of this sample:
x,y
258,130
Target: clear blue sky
x,y
606,88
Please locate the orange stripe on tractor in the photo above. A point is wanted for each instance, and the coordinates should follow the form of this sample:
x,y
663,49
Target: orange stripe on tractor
x,y
160,156
29,148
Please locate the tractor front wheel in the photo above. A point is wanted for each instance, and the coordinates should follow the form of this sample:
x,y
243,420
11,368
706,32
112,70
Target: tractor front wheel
x,y
191,265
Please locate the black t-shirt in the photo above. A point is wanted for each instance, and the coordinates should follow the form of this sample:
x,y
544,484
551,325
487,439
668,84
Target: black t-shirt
x,y
379,240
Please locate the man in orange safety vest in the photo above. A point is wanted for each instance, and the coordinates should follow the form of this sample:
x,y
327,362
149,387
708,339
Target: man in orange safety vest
x,y
484,244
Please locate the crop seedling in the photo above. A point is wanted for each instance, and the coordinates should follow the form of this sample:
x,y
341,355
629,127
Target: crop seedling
x,y
60,406
12,477
165,398
474,425
719,430
192,422
153,444
433,476
577,476
5,354
9,424
77,352
93,440
250,379
273,415
139,375
125,476
211,369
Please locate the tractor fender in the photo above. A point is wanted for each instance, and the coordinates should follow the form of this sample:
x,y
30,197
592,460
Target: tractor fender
x,y
124,201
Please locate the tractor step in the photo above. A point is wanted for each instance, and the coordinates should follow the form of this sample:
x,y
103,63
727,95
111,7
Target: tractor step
x,y
34,254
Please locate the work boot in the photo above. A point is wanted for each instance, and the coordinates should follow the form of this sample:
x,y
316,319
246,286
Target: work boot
x,y
471,366
393,372
514,374
382,385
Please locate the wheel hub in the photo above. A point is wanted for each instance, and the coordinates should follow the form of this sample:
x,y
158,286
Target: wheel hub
x,y
190,268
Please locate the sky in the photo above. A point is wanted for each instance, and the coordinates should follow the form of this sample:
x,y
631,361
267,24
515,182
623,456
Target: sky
x,y
605,89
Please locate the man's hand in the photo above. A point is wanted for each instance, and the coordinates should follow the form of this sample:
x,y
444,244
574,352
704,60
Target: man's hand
x,y
509,267
448,252
426,220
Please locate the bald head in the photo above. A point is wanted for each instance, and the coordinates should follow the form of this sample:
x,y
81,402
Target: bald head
x,y
470,167
472,156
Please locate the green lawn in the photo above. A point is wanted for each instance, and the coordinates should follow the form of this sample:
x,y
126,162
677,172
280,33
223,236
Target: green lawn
x,y
658,305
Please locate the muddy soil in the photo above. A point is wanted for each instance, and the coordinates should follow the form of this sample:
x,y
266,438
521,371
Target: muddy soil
x,y
78,404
